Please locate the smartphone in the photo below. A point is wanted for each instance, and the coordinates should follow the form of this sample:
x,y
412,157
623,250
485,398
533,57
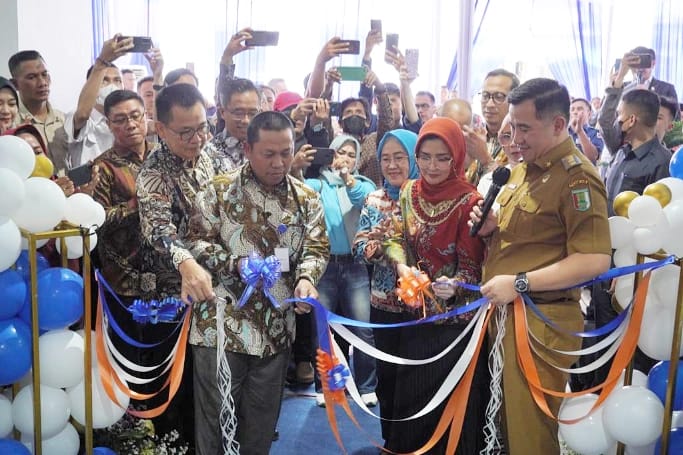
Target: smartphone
x,y
354,46
645,61
352,73
412,57
80,175
617,65
391,44
140,43
376,25
323,157
261,38
335,109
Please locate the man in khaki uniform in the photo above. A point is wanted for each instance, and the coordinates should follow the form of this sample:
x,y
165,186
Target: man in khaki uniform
x,y
551,233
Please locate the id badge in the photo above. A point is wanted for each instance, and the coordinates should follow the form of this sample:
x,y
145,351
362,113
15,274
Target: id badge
x,y
283,255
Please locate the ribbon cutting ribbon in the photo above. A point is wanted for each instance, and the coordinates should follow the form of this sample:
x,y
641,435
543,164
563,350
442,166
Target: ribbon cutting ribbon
x,y
254,270
155,311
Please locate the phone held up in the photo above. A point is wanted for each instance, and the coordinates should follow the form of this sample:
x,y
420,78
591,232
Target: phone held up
x,y
323,157
141,44
645,61
352,73
376,25
261,38
391,44
412,57
335,109
354,46
80,175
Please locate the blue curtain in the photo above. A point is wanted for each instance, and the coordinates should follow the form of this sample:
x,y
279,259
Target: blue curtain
x,y
100,29
480,9
589,17
668,42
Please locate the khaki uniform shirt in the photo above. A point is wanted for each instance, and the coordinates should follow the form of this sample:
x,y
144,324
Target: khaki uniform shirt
x,y
52,130
549,209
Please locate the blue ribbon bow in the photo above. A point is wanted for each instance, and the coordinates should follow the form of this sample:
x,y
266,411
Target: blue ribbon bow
x,y
337,377
255,269
156,311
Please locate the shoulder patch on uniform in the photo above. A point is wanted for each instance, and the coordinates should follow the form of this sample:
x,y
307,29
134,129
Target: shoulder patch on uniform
x,y
570,161
581,199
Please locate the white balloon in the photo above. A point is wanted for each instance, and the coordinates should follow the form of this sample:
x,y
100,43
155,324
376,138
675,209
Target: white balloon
x,y
633,415
61,358
588,435
54,410
637,378
66,442
10,243
657,330
623,290
93,348
74,246
644,211
83,210
43,207
664,284
646,240
624,256
620,231
675,185
674,213
39,243
12,190
105,412
17,156
6,422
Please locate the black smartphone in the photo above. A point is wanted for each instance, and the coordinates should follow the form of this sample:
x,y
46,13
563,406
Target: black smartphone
x,y
645,61
140,43
412,57
335,109
261,38
391,44
376,25
354,46
323,157
617,65
80,175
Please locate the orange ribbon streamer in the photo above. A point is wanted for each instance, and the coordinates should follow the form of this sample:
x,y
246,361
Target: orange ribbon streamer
x,y
621,360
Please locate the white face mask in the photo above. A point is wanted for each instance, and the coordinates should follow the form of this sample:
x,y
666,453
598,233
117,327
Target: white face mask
x,y
104,92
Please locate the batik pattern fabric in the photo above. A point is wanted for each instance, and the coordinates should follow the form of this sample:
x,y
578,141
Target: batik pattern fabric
x,y
228,152
238,217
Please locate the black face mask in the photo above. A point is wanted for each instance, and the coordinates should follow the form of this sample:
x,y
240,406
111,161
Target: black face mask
x,y
618,125
353,125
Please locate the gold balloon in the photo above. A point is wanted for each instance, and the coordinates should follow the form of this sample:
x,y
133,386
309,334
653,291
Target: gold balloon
x,y
43,167
622,201
658,191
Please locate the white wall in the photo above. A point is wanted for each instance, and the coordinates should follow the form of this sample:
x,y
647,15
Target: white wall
x,y
61,30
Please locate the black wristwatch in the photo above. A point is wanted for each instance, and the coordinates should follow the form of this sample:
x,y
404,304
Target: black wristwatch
x,y
521,283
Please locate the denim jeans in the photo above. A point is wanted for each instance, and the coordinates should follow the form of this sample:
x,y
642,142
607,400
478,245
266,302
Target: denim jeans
x,y
345,290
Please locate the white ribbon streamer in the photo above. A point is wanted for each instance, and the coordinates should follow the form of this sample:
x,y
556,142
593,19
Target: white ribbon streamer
x,y
496,363
227,417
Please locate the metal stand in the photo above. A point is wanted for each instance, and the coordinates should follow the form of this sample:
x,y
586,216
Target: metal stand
x,y
63,231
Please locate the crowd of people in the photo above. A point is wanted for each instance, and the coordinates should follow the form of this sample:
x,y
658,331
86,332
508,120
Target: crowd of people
x,y
390,185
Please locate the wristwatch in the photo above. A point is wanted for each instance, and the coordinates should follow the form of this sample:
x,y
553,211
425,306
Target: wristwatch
x,y
318,127
521,283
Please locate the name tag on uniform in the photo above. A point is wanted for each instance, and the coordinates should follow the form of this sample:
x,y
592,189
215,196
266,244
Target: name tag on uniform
x,y
283,255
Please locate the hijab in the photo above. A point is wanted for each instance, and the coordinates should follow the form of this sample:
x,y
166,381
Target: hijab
x,y
455,184
407,139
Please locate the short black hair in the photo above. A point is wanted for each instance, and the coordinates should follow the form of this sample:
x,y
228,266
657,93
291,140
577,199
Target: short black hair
x,y
427,94
107,64
363,101
183,95
392,89
549,97
145,79
670,105
119,96
503,72
233,86
267,121
646,103
583,100
21,57
127,70
173,76
644,50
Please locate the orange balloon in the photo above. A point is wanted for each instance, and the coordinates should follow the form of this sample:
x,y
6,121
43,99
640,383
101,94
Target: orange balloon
x,y
622,201
659,191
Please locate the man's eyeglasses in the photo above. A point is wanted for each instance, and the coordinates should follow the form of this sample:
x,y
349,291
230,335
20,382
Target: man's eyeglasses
x,y
187,134
498,97
240,114
120,120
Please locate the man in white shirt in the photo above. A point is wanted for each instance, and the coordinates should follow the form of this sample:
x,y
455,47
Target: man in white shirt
x,y
86,128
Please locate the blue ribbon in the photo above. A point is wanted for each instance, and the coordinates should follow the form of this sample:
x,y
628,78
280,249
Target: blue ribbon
x,y
255,269
155,311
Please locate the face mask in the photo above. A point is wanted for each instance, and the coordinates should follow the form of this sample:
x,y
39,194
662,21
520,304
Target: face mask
x,y
353,125
618,125
104,92
43,167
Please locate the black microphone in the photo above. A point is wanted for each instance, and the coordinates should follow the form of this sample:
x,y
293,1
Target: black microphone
x,y
500,178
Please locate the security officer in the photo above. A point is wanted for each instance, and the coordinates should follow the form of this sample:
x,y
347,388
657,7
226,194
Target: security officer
x,y
551,233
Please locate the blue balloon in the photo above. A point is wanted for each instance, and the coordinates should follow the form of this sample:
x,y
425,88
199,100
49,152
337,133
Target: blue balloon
x,y
675,442
676,164
103,451
13,291
15,351
60,298
658,378
12,447
23,267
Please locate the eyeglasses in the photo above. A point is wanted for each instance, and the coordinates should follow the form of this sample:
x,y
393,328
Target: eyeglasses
x,y
505,138
240,114
498,97
120,120
187,134
438,160
398,160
